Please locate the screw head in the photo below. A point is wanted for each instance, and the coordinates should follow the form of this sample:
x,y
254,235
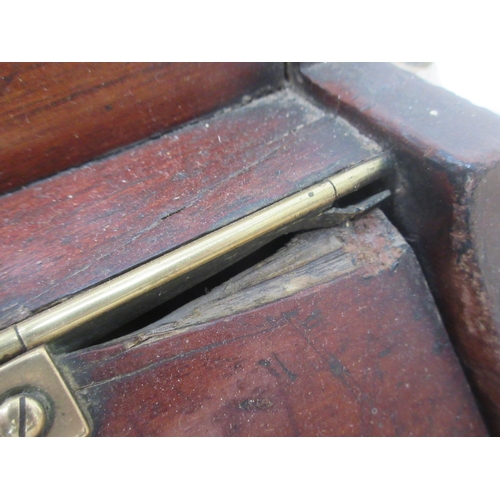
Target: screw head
x,y
21,416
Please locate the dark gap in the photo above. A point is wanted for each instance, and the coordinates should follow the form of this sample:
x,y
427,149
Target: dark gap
x,y
22,416
198,290
364,193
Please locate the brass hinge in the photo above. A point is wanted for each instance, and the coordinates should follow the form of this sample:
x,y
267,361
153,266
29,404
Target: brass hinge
x,y
35,400
94,312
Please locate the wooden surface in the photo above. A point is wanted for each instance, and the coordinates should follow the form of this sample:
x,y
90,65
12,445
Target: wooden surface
x,y
335,335
446,196
54,116
86,225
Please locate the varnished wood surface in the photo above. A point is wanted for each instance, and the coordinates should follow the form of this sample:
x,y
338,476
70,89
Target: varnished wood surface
x,y
86,225
58,115
446,201
336,335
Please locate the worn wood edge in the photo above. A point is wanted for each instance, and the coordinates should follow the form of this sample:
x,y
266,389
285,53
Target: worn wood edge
x,y
454,133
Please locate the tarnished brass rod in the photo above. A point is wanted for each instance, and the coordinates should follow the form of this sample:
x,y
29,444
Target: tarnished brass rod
x,y
57,321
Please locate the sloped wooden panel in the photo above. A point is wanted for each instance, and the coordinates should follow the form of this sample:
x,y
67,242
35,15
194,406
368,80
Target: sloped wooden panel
x,y
89,224
335,335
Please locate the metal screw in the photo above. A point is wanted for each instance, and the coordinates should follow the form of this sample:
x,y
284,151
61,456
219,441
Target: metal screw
x,y
21,416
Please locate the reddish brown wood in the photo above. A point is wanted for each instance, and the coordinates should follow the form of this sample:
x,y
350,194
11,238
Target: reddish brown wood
x,y
446,196
55,116
362,353
86,225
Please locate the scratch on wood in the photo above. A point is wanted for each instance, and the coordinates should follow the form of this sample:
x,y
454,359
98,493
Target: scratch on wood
x,y
256,404
336,367
169,214
292,376
267,364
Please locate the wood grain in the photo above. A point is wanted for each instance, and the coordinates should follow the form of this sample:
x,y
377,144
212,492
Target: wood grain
x,y
445,196
86,225
336,334
57,115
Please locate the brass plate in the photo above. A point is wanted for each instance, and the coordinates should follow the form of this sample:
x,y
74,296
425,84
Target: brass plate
x,y
35,372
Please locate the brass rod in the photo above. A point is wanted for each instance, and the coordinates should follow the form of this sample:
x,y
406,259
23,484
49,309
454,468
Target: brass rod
x,y
60,319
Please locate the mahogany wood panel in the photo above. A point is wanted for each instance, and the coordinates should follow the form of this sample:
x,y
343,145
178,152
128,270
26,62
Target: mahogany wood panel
x,y
88,224
335,335
58,115
446,200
